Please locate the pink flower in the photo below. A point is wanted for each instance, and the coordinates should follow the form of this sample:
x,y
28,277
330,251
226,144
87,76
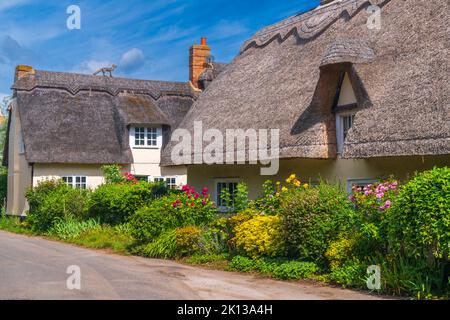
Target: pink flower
x,y
204,202
205,191
197,195
352,199
380,195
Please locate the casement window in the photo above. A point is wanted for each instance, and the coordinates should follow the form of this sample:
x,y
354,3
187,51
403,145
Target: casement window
x,y
359,183
146,137
77,182
344,122
171,182
225,184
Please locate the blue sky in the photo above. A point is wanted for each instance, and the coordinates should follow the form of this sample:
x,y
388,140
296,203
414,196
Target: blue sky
x,y
148,39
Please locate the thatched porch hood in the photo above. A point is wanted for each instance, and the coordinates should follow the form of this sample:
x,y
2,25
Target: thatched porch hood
x,y
75,118
287,75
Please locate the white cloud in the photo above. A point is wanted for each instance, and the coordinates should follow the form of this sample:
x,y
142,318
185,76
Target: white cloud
x,y
132,60
91,66
7,4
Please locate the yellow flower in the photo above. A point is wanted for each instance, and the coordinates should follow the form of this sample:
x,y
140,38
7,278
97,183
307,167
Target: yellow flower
x,y
278,183
292,177
306,186
284,189
277,194
297,183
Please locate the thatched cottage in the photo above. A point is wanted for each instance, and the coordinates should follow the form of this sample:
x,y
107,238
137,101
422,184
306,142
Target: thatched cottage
x,y
358,92
67,126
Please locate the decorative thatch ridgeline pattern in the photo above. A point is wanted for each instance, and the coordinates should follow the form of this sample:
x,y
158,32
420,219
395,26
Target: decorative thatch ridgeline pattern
x,y
310,24
72,118
286,78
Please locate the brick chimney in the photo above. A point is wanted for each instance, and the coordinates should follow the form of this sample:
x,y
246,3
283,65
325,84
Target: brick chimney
x,y
22,71
198,58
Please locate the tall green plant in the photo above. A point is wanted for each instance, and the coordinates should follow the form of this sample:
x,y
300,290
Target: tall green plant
x,y
113,174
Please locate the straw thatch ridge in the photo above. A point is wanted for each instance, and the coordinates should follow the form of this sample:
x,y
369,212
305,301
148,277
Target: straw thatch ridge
x,y
400,75
74,118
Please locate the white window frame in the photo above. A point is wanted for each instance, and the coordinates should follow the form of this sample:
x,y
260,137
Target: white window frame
x,y
148,130
360,182
74,184
216,190
172,186
340,128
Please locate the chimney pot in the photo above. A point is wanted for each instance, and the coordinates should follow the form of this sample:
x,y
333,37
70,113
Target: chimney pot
x,y
198,58
22,71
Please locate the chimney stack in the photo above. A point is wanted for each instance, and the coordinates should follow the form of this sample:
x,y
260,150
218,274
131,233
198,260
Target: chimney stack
x,y
22,71
198,58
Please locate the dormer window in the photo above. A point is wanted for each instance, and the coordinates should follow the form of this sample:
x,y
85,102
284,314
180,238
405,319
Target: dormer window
x,y
146,137
344,108
344,122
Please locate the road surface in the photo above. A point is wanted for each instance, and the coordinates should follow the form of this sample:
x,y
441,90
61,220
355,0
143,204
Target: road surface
x,y
35,268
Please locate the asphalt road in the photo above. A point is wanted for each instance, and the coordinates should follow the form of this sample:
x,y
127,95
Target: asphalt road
x,y
35,268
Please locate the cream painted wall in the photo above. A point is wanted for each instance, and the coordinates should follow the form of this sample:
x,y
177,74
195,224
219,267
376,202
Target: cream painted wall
x,y
347,95
310,170
19,172
93,173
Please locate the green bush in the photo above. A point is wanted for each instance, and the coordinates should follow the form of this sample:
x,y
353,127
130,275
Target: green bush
x,y
242,264
113,174
349,274
313,218
294,270
420,218
115,203
260,236
170,212
52,200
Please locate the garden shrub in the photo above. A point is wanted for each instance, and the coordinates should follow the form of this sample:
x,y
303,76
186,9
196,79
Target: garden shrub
x,y
260,236
115,203
189,208
312,219
350,273
370,221
419,224
188,240
113,174
341,250
52,200
295,270
242,264
269,201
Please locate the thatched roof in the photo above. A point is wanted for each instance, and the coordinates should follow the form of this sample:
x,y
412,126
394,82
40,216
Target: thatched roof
x,y
287,75
74,118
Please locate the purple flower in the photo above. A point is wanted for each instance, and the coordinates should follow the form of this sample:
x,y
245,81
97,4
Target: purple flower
x,y
352,199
